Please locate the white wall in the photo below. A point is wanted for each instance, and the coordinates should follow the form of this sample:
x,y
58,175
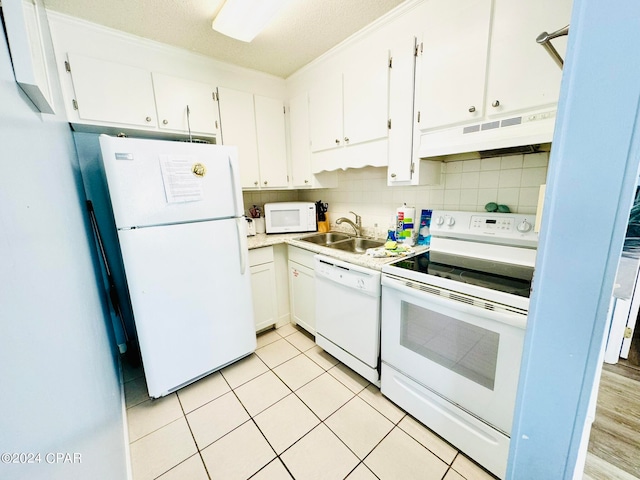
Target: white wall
x,y
60,382
467,185
261,197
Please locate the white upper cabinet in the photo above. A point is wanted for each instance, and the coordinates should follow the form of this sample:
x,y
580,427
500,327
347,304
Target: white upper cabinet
x,y
185,105
272,146
351,107
484,82
109,93
301,173
256,126
453,59
366,98
325,114
238,127
299,134
522,75
405,167
112,92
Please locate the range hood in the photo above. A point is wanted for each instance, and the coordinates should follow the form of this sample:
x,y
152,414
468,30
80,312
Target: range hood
x,y
493,137
503,152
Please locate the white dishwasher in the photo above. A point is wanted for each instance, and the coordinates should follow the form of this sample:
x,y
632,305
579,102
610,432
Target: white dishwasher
x,y
348,314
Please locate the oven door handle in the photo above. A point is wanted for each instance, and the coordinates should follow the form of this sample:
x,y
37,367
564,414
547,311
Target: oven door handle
x,y
514,319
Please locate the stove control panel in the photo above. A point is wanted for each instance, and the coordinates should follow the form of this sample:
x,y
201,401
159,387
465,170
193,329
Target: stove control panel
x,y
506,228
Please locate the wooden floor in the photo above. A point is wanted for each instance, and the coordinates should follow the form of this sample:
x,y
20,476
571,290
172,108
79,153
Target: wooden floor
x,y
614,445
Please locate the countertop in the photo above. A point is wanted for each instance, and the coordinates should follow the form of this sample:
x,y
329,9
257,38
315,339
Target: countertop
x,y
363,260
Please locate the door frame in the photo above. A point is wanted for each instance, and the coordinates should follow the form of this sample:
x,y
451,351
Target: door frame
x,y
592,176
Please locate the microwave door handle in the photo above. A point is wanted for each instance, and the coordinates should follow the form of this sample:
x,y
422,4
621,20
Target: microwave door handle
x,y
235,185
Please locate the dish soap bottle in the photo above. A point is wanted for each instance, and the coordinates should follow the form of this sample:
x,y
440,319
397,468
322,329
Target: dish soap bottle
x,y
391,243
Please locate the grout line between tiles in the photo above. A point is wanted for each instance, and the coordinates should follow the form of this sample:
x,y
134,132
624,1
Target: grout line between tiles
x,y
321,422
254,422
193,437
282,380
156,429
370,451
436,434
278,457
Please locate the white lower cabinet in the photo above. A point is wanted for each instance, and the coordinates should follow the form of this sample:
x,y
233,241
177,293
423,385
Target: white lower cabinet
x,y
302,295
263,287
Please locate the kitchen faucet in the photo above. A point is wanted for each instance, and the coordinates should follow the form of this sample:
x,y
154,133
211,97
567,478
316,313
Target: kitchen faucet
x,y
356,226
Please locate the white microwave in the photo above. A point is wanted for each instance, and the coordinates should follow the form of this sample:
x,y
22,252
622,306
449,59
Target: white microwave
x,y
289,217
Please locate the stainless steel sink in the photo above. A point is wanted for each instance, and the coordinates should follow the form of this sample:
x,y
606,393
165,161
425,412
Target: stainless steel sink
x,y
325,239
342,241
356,245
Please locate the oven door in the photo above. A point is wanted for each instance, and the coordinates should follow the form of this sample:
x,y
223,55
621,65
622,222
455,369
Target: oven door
x,y
461,348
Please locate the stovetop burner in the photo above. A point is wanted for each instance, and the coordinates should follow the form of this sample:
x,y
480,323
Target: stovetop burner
x,y
503,277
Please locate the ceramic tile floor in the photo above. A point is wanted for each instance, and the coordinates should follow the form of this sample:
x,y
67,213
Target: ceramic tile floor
x,y
288,411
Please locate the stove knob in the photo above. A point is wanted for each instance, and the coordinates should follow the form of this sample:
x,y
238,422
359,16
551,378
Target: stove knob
x,y
440,221
451,221
524,227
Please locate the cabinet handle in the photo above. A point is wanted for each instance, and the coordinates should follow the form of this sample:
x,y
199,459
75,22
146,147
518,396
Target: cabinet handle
x,y
255,183
337,141
148,119
306,181
346,139
496,103
393,175
472,109
265,182
164,122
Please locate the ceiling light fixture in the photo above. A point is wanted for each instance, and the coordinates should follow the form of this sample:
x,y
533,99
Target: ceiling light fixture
x,y
244,19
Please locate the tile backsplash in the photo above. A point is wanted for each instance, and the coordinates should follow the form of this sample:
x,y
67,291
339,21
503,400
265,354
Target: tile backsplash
x,y
468,185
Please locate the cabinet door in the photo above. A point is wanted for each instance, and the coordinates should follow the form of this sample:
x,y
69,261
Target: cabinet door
x,y
272,143
325,114
299,130
366,98
173,97
112,92
263,293
302,296
453,62
402,140
522,75
238,127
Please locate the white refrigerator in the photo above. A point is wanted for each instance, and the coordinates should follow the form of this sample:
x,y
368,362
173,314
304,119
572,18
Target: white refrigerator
x,y
179,216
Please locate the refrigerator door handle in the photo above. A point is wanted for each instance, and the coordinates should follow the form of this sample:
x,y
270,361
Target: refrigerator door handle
x,y
238,204
242,241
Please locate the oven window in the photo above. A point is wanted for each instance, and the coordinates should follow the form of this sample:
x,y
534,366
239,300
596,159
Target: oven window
x,y
463,348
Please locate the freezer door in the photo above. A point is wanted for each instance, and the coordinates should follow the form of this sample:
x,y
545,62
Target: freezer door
x,y
191,296
159,182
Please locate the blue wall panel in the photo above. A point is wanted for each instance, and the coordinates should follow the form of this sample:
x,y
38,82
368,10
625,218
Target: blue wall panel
x,y
592,176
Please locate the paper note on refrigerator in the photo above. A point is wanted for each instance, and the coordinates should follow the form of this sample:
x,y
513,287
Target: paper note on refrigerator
x,y
180,184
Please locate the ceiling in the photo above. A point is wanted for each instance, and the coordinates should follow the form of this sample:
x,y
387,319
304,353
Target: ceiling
x,y
305,29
